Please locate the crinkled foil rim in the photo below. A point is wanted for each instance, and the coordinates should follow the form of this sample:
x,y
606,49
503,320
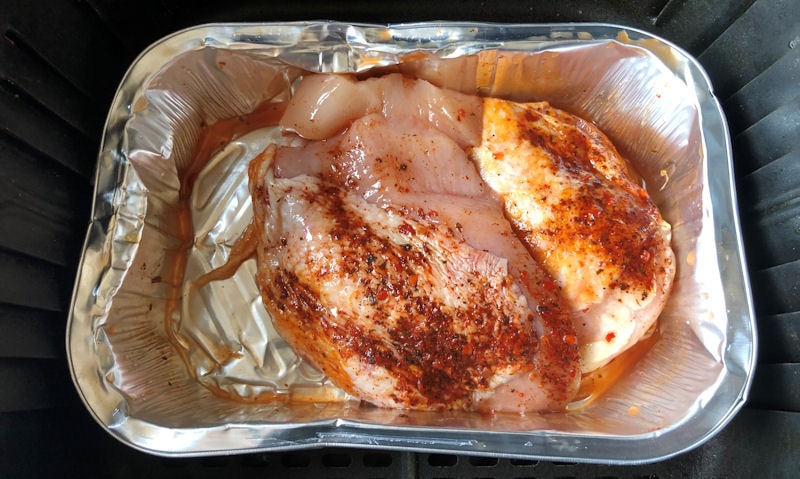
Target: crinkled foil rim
x,y
120,202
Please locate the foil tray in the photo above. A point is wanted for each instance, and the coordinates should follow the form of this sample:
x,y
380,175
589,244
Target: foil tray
x,y
176,370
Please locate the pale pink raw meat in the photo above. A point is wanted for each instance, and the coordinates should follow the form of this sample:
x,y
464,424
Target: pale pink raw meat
x,y
428,249
396,181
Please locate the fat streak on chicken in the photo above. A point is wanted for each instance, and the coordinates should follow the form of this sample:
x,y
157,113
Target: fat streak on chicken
x,y
387,261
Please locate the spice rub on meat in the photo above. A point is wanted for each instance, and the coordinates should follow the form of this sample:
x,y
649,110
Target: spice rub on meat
x,y
391,258
575,204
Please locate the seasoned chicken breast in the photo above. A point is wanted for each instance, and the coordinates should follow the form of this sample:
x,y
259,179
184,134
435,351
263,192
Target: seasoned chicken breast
x,y
399,310
575,203
415,290
428,249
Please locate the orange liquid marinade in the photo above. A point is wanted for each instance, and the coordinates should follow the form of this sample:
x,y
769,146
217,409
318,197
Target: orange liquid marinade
x,y
595,383
212,139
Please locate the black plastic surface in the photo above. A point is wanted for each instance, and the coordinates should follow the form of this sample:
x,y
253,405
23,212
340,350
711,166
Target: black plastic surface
x,y
60,62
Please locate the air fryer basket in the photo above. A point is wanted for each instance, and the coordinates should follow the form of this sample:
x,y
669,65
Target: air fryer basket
x,y
60,62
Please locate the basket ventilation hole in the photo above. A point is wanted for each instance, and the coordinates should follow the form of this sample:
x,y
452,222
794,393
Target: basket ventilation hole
x,y
296,459
442,460
377,460
336,460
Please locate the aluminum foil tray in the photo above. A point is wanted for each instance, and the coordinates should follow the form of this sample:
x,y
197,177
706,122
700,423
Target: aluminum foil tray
x,y
174,369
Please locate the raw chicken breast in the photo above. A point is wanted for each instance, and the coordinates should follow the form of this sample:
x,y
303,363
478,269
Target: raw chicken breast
x,y
388,262
401,311
575,204
428,249
324,105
